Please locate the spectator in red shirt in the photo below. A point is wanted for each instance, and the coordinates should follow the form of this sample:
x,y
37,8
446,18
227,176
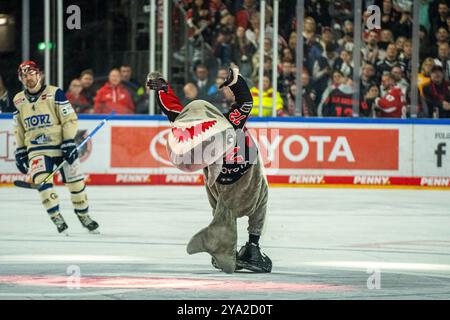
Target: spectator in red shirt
x,y
392,103
245,12
78,101
114,96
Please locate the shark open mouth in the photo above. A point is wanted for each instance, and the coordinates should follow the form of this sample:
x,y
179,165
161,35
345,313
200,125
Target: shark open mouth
x,y
186,134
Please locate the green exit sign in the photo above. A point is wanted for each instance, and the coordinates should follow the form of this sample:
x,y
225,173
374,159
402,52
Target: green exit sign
x,y
42,46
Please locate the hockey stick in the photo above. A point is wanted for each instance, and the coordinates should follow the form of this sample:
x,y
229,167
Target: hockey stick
x,y
28,185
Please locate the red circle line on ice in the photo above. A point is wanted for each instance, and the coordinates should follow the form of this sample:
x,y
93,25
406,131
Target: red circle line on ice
x,y
169,283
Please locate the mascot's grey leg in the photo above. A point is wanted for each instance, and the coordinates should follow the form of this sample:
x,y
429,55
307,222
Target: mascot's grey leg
x,y
257,217
219,239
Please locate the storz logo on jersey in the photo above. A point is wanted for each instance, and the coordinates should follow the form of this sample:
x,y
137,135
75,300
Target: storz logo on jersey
x,y
42,120
41,139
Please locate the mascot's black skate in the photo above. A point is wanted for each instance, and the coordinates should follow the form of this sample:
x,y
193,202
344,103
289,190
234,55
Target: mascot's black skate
x,y
215,265
251,258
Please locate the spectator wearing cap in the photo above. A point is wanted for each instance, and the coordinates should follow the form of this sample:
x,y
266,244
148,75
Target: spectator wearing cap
x,y
443,59
437,94
6,99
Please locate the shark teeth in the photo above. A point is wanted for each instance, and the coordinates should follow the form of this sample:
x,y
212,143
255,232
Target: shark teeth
x,y
185,134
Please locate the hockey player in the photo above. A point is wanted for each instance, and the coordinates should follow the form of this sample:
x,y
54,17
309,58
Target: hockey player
x,y
236,186
45,125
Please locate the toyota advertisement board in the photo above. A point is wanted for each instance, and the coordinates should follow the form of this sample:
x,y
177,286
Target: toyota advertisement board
x,y
132,151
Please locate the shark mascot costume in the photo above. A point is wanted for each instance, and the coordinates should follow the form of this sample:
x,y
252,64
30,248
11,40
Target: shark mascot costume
x,y
202,138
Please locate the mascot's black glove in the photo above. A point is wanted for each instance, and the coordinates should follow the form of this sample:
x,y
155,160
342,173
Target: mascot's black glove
x,y
155,81
69,150
232,77
22,160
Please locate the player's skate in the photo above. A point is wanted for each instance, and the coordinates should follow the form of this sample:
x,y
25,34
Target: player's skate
x,y
251,258
60,224
155,81
88,223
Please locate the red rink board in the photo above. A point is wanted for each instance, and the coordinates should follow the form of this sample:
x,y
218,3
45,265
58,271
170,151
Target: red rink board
x,y
284,180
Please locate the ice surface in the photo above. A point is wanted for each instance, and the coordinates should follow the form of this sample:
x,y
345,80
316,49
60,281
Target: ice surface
x,y
324,244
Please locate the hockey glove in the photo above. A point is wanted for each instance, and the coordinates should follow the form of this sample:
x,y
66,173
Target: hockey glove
x,y
155,81
232,78
22,160
69,150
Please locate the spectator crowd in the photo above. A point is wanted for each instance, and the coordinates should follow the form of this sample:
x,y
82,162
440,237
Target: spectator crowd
x,y
229,32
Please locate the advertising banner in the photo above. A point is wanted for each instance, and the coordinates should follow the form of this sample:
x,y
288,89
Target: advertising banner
x,y
133,152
